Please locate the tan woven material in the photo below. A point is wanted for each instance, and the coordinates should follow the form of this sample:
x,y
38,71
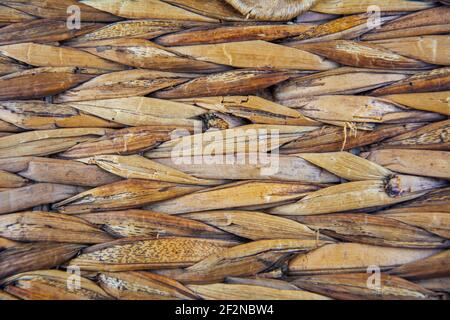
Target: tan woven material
x,y
225,150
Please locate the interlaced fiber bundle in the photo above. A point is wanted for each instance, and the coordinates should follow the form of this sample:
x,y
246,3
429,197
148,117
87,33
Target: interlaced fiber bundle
x,y
224,149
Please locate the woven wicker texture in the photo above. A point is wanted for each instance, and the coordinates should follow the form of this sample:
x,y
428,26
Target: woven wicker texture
x,y
224,149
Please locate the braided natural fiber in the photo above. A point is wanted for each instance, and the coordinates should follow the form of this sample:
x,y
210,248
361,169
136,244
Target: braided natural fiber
x,y
224,149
